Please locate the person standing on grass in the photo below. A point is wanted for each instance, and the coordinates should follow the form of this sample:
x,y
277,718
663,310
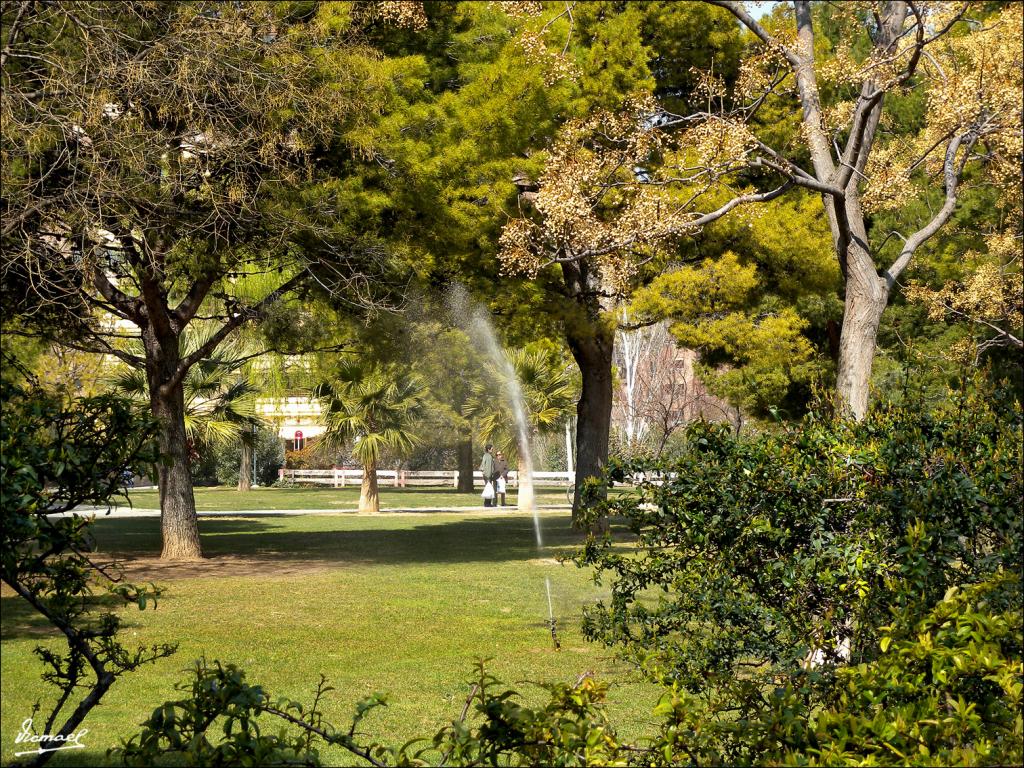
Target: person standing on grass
x,y
500,478
487,470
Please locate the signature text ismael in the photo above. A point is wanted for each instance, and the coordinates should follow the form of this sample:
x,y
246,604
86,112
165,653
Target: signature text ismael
x,y
46,742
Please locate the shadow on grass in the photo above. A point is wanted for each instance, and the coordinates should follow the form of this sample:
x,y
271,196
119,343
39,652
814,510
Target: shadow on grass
x,y
86,758
21,620
343,499
493,539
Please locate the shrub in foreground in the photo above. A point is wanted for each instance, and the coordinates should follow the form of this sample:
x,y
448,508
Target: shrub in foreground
x,y
945,690
758,557
55,456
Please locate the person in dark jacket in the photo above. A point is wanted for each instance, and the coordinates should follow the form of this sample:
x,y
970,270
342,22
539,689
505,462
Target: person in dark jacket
x,y
487,470
500,471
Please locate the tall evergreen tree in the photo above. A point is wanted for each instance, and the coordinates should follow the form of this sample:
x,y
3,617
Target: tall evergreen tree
x,y
476,145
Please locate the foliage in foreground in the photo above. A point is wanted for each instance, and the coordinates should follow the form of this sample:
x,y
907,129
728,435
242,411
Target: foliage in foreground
x,y
836,593
761,554
769,576
54,457
932,617
224,720
946,690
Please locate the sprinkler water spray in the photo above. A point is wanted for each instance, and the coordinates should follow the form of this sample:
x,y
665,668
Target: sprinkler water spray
x,y
477,323
551,616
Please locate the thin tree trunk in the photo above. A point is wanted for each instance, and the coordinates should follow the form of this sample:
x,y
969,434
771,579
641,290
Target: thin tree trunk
x,y
369,498
593,355
464,451
525,499
178,521
245,477
857,343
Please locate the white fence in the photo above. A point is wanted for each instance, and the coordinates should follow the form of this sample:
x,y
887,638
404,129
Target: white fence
x,y
402,478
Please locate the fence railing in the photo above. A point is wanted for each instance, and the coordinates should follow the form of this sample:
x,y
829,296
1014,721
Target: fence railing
x,y
403,478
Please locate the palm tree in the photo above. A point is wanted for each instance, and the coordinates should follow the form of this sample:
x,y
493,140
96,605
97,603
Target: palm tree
x,y
220,400
549,393
374,407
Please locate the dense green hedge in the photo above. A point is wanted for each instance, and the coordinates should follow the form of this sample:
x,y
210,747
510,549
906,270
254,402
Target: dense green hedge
x,y
781,585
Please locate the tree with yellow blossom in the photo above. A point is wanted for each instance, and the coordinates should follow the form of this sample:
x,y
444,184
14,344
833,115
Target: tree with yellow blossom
x,y
990,299
965,62
617,188
616,193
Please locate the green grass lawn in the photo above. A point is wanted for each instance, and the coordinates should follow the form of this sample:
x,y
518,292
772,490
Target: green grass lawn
x,y
342,499
401,604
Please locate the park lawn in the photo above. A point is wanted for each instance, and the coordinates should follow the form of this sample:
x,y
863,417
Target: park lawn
x,y
401,604
223,498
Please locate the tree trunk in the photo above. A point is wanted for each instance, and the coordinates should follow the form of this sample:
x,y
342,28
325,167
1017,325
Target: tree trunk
x,y
866,298
590,334
369,498
464,451
245,477
593,355
525,499
861,316
178,521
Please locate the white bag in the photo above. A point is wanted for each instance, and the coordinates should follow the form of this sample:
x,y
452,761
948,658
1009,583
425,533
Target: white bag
x,y
488,491
501,485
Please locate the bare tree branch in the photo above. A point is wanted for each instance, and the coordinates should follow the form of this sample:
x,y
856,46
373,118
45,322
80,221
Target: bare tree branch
x,y
127,307
952,170
188,306
15,28
758,197
869,104
243,315
737,10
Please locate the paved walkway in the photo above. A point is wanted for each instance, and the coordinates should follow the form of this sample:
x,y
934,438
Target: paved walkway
x,y
120,512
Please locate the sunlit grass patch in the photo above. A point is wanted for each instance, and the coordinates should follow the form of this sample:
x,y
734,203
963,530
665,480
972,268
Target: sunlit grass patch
x,y
401,604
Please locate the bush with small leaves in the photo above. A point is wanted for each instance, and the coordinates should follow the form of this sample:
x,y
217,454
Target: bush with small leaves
x,y
55,456
943,691
946,689
771,572
225,721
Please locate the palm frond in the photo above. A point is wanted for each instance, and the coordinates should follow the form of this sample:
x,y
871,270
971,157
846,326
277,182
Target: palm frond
x,y
373,407
220,401
130,382
221,432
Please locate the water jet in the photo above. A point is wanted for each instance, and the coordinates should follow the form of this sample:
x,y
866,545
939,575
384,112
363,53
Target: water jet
x,y
478,324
